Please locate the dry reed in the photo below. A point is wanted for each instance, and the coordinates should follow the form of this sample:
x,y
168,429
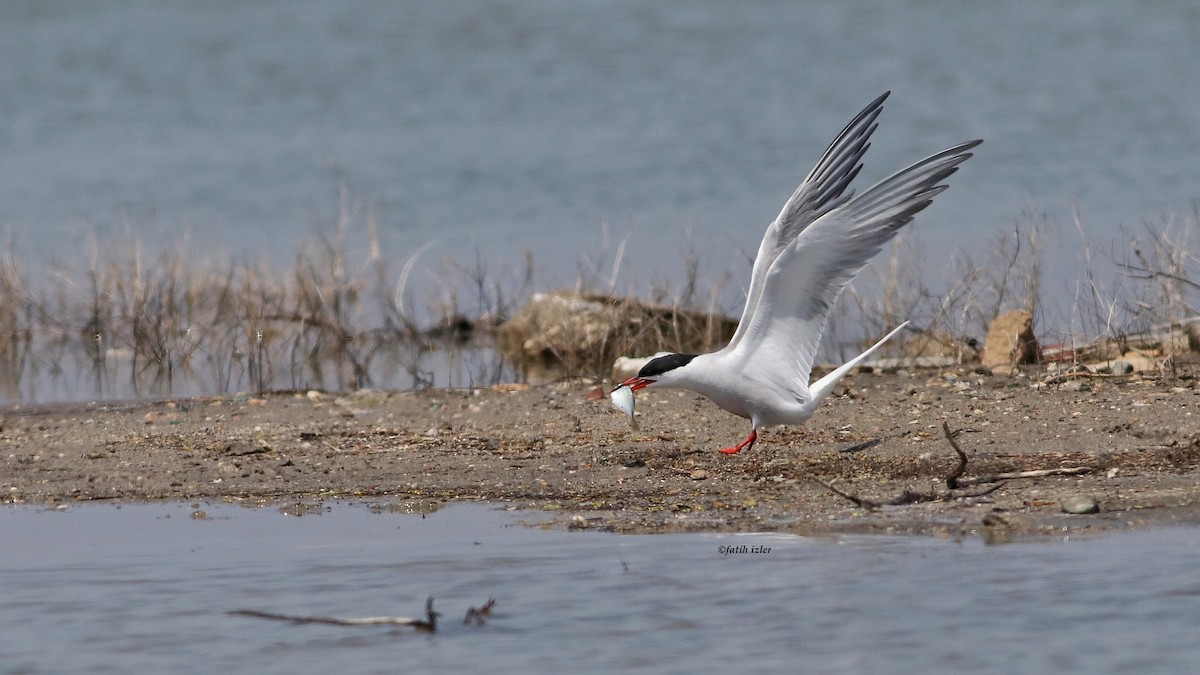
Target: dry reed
x,y
128,324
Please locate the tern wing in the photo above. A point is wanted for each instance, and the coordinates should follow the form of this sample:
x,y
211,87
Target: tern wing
x,y
803,283
824,189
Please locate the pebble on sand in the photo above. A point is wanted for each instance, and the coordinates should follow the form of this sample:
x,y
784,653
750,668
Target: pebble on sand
x,y
1080,505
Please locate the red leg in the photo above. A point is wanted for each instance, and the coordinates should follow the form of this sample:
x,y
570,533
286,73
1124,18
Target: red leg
x,y
744,445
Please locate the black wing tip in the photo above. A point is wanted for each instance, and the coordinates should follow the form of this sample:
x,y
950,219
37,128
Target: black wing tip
x,y
868,114
955,155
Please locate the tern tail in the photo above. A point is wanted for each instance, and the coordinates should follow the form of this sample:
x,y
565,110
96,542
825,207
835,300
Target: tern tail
x,y
822,387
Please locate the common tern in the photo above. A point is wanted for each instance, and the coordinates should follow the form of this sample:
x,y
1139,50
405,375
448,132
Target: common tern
x,y
821,239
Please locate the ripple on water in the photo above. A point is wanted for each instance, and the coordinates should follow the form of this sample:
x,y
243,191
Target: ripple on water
x,y
146,587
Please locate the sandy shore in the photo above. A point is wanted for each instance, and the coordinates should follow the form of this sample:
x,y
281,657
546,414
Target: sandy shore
x,y
1135,443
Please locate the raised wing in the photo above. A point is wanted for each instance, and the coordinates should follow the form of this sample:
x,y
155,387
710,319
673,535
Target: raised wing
x,y
823,189
780,339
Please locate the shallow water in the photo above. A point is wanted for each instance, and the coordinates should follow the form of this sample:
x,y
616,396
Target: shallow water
x,y
147,588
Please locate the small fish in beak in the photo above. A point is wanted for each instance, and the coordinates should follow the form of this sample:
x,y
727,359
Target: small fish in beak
x,y
622,398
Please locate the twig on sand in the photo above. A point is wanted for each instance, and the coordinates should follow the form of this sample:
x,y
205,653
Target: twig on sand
x,y
905,497
1059,378
858,501
865,445
1035,473
954,481
429,623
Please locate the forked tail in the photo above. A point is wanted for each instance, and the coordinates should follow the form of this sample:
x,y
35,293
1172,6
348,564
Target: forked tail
x,y
821,388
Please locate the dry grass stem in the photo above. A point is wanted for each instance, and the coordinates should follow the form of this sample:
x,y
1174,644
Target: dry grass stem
x,y
131,324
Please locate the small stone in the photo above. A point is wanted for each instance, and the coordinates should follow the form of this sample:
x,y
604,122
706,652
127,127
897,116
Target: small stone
x,y
699,474
1080,505
1009,341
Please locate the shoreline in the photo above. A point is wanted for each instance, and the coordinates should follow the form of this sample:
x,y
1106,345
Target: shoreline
x,y
1134,442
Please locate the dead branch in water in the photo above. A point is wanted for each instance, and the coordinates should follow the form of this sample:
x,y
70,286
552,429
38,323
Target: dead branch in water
x,y
954,481
478,614
429,623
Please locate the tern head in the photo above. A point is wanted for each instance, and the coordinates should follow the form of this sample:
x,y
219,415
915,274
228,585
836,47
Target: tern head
x,y
661,369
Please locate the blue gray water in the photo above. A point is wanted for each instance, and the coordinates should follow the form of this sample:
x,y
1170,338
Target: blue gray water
x,y
146,588
506,125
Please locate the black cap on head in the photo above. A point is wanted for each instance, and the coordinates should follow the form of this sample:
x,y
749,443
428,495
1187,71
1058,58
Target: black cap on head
x,y
662,364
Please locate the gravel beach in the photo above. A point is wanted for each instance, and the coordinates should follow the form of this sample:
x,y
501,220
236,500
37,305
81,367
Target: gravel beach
x,y
1068,457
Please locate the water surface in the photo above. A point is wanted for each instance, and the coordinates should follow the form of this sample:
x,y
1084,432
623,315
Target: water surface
x,y
146,588
506,125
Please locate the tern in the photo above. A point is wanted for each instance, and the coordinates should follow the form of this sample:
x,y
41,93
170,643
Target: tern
x,y
822,238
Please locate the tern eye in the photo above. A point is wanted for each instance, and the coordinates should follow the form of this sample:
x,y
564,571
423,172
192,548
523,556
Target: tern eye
x,y
663,364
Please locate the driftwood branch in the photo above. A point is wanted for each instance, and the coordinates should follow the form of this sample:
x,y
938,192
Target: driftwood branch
x,y
1035,473
334,621
954,481
906,497
429,623
478,615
